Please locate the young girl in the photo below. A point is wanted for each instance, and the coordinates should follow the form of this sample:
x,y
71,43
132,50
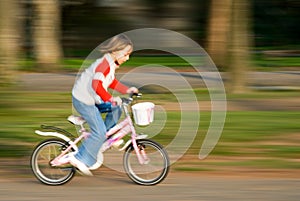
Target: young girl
x,y
90,89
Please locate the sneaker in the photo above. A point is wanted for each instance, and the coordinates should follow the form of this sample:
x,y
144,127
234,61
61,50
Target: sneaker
x,y
99,161
105,146
79,165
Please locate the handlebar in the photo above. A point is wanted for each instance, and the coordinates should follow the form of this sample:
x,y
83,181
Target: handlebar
x,y
106,107
137,95
132,97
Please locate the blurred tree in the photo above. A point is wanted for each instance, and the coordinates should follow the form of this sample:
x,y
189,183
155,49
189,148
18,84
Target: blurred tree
x,y
229,41
218,32
9,40
47,34
239,46
276,23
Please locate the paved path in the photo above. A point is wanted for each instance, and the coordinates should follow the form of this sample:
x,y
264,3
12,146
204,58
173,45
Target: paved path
x,y
176,187
64,82
260,80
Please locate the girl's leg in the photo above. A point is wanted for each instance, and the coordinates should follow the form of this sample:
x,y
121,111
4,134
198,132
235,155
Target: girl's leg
x,y
89,148
113,117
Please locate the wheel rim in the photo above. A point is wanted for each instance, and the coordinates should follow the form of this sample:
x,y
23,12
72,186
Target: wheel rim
x,y
150,173
42,168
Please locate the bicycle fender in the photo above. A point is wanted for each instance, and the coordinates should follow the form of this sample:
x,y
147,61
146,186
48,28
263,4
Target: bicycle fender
x,y
126,145
129,141
53,134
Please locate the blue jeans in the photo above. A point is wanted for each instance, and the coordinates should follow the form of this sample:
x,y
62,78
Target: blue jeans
x,y
112,117
89,148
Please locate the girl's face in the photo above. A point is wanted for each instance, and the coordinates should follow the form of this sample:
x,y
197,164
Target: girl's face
x,y
122,56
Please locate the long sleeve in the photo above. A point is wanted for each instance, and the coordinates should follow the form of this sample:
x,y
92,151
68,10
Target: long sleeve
x,y
104,78
99,89
101,72
118,86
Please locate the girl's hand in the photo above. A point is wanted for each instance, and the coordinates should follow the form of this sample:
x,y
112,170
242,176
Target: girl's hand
x,y
132,90
116,101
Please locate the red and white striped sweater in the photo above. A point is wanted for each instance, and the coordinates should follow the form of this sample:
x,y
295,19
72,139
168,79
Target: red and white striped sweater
x,y
91,87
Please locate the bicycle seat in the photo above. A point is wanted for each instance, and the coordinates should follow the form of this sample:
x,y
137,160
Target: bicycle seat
x,y
76,120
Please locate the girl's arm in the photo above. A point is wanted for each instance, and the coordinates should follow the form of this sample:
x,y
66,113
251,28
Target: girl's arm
x,y
118,86
99,89
101,72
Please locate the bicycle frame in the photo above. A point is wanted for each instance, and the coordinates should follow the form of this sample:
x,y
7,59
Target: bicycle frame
x,y
125,127
115,134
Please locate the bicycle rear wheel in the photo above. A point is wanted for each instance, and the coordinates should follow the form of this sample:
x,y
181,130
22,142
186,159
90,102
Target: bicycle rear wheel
x,y
41,157
157,166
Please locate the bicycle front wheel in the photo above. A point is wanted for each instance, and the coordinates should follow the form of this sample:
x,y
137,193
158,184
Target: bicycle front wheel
x,y
152,172
41,157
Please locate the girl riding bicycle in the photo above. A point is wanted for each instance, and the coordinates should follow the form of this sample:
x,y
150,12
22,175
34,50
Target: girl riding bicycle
x,y
90,90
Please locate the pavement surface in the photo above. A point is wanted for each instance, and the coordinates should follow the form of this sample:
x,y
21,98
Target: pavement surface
x,y
283,80
110,185
280,80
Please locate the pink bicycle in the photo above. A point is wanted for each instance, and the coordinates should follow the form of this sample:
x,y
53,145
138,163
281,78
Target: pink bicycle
x,y
145,161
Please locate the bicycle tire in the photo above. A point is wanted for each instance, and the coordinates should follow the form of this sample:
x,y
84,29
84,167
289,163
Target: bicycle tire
x,y
147,174
40,163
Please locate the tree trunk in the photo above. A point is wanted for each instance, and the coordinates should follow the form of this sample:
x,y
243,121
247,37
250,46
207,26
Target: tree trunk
x,y
239,46
218,32
9,37
229,40
47,33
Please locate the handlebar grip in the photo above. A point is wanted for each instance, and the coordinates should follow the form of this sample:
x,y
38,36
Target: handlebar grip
x,y
131,97
138,95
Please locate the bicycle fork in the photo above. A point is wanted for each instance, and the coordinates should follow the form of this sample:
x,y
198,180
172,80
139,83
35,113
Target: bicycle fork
x,y
139,149
140,153
122,129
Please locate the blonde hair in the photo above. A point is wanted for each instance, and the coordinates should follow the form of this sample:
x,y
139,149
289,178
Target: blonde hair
x,y
116,43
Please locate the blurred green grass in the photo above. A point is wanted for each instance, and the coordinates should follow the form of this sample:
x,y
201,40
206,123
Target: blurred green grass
x,y
275,63
250,138
74,64
259,62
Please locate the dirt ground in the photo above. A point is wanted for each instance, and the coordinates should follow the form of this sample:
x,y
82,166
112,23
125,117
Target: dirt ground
x,y
20,168
193,186
224,183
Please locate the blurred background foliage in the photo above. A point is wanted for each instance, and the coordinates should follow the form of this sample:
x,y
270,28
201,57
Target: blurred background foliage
x,y
239,35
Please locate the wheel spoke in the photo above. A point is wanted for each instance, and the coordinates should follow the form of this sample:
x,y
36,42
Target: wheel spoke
x,y
40,163
149,173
